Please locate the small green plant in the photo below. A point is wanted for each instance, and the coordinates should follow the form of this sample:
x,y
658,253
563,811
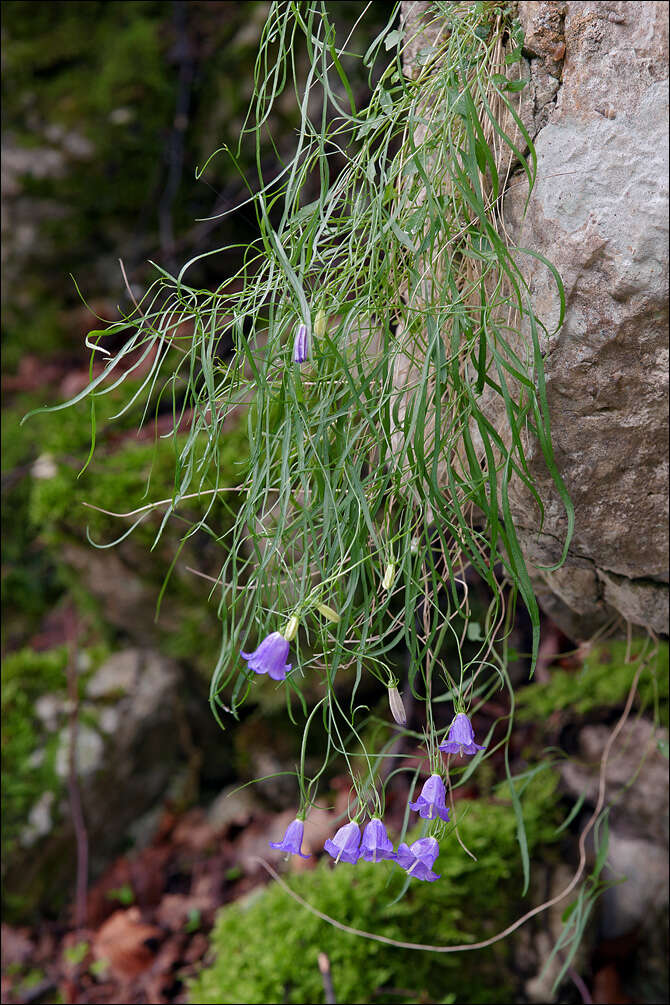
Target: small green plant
x,y
124,894
77,953
99,968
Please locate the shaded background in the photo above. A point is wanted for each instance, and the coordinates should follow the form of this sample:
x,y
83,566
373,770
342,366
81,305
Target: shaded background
x,y
108,108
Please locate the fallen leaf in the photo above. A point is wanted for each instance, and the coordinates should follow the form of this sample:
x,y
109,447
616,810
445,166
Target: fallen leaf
x,y
127,943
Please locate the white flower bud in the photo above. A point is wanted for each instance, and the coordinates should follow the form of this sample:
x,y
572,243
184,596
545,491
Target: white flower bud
x,y
289,632
320,324
397,707
389,576
328,613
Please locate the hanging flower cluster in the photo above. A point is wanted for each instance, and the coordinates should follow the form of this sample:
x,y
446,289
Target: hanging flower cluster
x,y
373,845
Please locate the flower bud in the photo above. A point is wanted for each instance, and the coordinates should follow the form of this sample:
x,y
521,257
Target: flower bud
x,y
289,632
397,707
389,576
328,613
320,323
301,345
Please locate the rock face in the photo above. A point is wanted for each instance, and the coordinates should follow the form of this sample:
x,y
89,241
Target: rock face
x,y
596,107
637,789
129,750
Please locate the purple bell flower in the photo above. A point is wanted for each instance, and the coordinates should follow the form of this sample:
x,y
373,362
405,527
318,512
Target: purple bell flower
x,y
375,843
418,859
300,345
344,846
292,840
431,803
270,657
461,739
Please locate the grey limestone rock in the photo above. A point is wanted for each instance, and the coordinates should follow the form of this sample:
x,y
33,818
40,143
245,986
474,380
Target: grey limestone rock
x,y
636,777
599,212
596,107
128,750
636,780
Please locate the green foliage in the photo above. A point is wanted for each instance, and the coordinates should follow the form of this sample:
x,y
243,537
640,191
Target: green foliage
x,y
348,468
45,514
266,947
603,682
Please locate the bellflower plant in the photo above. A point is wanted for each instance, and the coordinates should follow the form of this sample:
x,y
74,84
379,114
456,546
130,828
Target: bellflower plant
x,y
345,845
461,738
375,843
431,803
351,487
270,657
291,843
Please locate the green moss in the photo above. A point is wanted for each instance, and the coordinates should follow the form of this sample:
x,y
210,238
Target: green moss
x,y
124,479
45,516
32,574
604,681
124,474
266,948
